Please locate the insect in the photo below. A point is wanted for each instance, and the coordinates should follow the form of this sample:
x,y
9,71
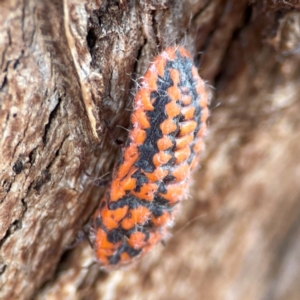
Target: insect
x,y
152,176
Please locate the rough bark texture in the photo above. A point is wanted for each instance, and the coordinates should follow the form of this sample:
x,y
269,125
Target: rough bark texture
x,y
68,67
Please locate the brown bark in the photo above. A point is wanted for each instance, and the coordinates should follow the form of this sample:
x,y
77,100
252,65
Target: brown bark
x,y
69,67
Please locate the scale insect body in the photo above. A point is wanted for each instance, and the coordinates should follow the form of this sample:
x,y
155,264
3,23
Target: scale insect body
x,y
152,176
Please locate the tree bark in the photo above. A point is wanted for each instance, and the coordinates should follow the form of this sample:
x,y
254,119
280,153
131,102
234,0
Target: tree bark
x,y
68,73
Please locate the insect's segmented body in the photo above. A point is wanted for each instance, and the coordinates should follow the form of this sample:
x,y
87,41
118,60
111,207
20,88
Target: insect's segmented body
x,y
167,127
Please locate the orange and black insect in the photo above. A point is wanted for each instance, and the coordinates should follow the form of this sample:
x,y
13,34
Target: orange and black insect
x,y
153,174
